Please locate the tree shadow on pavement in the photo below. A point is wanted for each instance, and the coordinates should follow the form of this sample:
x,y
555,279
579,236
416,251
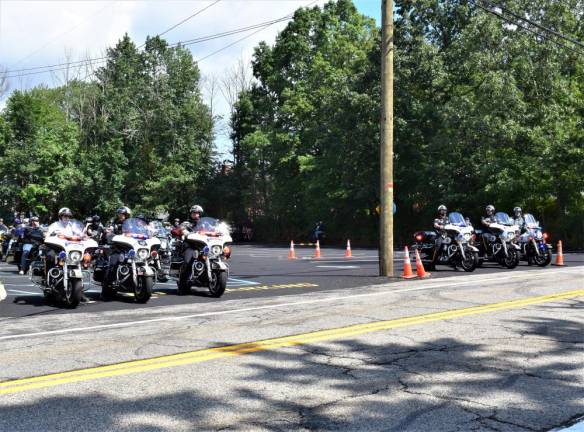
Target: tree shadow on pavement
x,y
528,379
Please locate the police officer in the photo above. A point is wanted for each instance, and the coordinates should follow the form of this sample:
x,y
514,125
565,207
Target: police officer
x,y
33,237
490,217
439,223
519,219
122,214
95,229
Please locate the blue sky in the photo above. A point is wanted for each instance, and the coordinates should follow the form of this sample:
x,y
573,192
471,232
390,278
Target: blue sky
x,y
370,8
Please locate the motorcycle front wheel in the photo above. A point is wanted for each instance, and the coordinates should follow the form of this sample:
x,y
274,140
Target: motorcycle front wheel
x,y
72,293
218,284
512,259
143,290
470,261
544,258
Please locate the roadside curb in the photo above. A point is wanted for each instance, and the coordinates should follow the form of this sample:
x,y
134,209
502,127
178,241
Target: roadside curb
x,y
2,292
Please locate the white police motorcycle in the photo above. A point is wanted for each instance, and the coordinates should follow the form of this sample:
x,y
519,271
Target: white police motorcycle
x,y
532,242
131,273
62,280
205,250
498,243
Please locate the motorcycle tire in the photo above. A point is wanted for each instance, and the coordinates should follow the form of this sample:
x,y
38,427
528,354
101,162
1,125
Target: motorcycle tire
x,y
511,260
143,290
72,296
218,284
544,259
470,263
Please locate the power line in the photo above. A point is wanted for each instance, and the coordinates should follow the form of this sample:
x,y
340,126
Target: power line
x,y
200,11
515,23
62,66
541,27
250,35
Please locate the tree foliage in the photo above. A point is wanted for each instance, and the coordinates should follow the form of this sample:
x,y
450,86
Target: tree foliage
x,y
138,134
484,113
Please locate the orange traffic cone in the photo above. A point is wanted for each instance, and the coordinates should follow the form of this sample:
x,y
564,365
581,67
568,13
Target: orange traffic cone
x,y
420,266
408,273
317,253
291,253
348,253
560,255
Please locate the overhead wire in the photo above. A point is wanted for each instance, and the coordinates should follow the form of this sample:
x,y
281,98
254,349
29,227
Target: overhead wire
x,y
541,35
97,60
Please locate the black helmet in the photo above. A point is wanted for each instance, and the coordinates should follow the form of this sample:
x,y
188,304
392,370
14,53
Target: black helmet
x,y
65,211
95,219
125,211
34,219
88,219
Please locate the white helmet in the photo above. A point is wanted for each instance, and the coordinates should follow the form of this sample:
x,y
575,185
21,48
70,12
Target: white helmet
x,y
196,209
65,211
490,207
442,207
517,210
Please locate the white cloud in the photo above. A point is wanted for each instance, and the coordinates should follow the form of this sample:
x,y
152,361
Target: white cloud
x,y
36,33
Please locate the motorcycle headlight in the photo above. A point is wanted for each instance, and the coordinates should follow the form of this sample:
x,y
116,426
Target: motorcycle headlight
x,y
460,237
510,235
143,254
163,244
504,235
75,257
538,235
467,237
216,250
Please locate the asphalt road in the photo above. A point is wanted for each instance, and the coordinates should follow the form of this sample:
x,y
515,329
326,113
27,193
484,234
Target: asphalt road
x,y
255,272
498,350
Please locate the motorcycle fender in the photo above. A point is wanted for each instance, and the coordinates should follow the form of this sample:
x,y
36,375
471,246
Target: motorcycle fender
x,y
472,248
221,266
145,271
75,274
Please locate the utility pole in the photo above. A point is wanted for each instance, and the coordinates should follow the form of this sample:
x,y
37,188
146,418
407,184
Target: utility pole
x,y
386,156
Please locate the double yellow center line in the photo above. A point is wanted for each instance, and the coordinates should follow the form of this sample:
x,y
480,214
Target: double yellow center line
x,y
198,356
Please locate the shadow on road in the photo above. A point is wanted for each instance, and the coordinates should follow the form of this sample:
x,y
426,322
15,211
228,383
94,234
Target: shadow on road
x,y
444,384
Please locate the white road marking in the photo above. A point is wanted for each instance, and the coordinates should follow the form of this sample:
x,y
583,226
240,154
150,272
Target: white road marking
x,y
440,284
339,266
22,292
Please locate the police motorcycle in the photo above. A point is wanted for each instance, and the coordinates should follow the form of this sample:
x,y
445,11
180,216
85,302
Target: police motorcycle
x,y
498,242
132,273
160,255
455,248
62,280
204,253
532,242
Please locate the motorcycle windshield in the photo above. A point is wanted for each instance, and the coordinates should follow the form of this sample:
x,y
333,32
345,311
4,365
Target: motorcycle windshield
x,y
457,219
136,228
211,226
530,221
72,230
157,228
504,219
